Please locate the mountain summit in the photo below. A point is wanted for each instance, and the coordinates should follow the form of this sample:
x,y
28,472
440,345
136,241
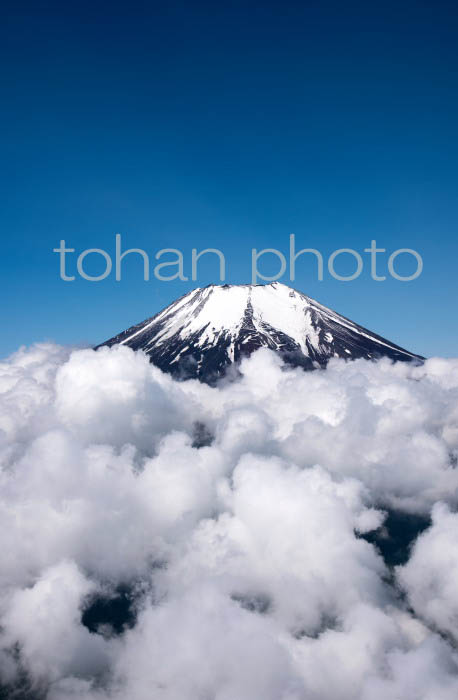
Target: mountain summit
x,y
209,329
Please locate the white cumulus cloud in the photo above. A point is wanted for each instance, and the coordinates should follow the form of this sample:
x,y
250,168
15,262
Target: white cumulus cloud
x,y
176,541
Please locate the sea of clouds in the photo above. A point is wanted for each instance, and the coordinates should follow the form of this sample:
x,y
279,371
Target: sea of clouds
x,y
165,540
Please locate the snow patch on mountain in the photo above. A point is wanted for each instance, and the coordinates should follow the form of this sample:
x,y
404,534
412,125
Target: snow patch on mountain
x,y
207,330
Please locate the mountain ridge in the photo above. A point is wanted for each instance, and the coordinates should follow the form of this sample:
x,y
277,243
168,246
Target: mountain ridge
x,y
209,329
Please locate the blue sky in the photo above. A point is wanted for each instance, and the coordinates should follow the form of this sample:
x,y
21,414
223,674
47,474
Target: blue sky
x,y
231,126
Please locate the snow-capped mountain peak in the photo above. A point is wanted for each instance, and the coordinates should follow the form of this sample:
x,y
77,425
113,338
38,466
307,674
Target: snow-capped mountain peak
x,y
210,328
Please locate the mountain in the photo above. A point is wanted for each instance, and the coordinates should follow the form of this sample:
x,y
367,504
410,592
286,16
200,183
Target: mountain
x,y
211,328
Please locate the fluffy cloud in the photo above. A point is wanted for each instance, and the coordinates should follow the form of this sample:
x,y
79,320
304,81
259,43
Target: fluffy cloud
x,y
430,577
44,620
171,540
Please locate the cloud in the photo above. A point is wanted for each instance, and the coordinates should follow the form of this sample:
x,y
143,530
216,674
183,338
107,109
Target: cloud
x,y
430,577
171,540
44,620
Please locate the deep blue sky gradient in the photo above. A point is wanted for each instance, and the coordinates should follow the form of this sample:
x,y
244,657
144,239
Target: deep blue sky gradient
x,y
228,125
